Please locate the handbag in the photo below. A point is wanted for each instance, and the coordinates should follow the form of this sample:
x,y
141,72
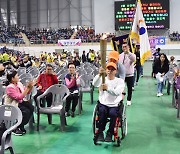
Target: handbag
x,y
9,101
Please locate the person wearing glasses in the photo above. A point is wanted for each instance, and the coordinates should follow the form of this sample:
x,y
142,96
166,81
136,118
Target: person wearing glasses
x,y
15,95
110,95
45,80
127,59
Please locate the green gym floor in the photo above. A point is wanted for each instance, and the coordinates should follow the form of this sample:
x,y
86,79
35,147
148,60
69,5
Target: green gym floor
x,y
152,128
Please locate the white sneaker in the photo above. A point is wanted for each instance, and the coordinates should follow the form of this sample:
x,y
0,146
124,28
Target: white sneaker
x,y
161,94
158,95
128,103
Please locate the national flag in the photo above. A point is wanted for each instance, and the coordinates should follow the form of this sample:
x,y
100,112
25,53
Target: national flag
x,y
139,34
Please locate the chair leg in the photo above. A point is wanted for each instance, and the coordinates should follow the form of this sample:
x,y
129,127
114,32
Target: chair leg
x,y
38,121
49,118
31,120
11,150
79,106
91,97
63,121
81,96
168,88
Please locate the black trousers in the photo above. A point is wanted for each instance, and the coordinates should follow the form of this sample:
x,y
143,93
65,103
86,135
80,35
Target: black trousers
x,y
129,81
27,110
138,68
74,99
104,113
48,99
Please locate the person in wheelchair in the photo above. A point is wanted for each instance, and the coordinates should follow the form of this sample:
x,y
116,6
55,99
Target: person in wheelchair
x,y
110,95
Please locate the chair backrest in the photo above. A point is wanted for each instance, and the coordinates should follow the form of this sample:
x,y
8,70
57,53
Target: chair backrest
x,y
25,80
21,70
63,71
59,91
61,77
86,80
81,71
57,69
34,72
87,64
29,68
89,70
170,74
42,69
95,71
25,75
10,115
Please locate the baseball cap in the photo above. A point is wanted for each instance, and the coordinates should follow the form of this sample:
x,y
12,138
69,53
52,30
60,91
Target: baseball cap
x,y
113,55
111,64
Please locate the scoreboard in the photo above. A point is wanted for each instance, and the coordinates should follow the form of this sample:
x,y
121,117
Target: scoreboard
x,y
155,12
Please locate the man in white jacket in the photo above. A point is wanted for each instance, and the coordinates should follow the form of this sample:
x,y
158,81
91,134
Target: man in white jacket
x,y
110,95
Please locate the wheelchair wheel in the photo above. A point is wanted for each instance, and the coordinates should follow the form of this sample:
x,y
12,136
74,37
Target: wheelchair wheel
x,y
94,119
124,123
94,124
118,141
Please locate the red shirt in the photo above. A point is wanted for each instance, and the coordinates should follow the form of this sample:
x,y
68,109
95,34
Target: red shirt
x,y
46,80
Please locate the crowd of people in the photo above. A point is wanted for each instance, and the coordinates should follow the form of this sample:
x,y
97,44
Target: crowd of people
x,y
50,35
175,36
10,35
120,69
87,35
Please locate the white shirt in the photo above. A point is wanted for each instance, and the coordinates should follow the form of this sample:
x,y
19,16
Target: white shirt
x,y
113,95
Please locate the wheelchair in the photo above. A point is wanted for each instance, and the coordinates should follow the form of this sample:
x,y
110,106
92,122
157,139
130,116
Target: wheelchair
x,y
121,124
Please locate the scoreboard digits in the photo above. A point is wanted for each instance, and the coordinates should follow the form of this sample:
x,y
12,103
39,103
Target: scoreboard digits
x,y
155,12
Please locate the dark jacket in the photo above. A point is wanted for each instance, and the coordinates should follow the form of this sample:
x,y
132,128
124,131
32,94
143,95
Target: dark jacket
x,y
161,69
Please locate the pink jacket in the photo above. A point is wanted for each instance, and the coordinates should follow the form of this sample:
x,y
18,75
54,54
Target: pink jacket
x,y
128,61
15,91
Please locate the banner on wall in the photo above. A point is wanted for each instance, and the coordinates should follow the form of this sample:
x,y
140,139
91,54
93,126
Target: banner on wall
x,y
156,40
70,42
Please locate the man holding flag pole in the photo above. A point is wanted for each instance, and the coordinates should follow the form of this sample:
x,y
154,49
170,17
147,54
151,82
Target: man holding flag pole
x,y
139,35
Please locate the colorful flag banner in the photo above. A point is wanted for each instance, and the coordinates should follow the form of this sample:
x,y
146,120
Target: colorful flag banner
x,y
139,34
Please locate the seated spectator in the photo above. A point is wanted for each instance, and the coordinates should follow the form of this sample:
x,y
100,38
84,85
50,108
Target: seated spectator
x,y
27,61
45,80
72,81
97,62
76,61
84,57
37,62
15,95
